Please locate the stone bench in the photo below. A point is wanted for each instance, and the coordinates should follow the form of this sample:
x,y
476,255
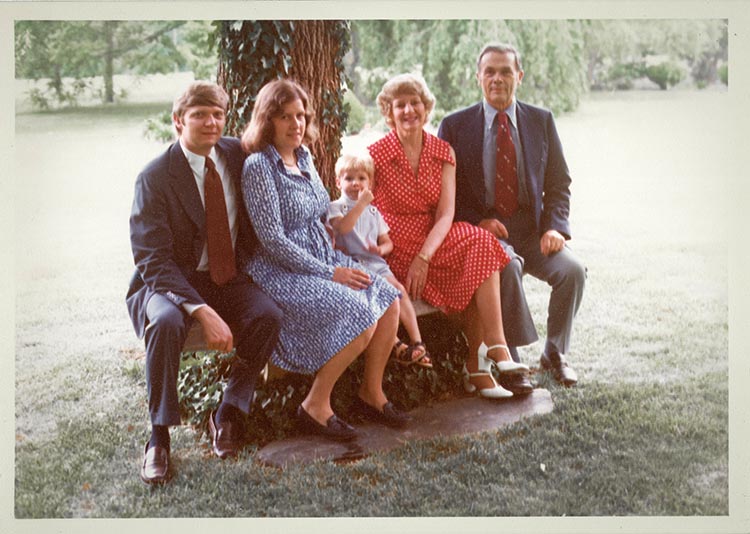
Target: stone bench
x,y
195,341
441,415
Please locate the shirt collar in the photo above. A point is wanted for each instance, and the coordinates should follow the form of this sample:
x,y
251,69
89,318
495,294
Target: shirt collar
x,y
490,113
348,202
196,161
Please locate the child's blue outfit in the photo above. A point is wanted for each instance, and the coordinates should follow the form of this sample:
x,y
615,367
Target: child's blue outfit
x,y
367,229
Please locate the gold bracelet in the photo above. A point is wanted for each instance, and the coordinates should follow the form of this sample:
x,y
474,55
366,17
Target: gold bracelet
x,y
423,257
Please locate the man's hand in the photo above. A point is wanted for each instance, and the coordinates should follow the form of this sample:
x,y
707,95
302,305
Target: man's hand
x,y
552,241
494,227
216,332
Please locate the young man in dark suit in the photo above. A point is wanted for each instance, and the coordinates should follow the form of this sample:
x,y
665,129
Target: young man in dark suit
x,y
512,180
191,240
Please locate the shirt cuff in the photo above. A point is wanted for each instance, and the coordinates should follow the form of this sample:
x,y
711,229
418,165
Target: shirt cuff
x,y
190,308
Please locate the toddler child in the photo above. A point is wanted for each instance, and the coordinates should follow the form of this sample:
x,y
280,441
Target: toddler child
x,y
361,232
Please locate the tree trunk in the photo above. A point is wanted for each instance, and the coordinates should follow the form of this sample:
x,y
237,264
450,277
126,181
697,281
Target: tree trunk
x,y
317,66
251,53
109,61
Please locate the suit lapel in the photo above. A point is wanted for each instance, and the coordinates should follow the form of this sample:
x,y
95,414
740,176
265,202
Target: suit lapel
x,y
531,143
184,186
234,163
475,150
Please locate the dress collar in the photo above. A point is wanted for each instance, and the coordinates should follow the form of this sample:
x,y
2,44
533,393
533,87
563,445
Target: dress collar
x,y
302,154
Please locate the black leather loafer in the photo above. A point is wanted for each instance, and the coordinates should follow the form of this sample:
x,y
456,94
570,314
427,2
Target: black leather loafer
x,y
226,437
334,429
390,416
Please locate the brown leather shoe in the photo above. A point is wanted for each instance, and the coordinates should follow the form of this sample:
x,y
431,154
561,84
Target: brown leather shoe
x,y
226,437
518,384
155,467
563,373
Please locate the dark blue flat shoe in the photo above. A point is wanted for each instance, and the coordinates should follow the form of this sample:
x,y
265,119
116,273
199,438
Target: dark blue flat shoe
x,y
390,416
334,429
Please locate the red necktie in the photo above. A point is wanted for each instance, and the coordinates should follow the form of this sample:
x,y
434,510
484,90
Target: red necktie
x,y
221,263
506,175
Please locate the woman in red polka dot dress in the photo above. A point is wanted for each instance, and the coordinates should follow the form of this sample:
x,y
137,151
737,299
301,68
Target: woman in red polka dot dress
x,y
455,266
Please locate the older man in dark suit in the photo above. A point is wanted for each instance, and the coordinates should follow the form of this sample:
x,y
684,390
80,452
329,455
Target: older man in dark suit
x,y
512,180
191,240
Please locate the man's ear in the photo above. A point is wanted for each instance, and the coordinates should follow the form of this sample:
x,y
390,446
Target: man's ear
x,y
177,123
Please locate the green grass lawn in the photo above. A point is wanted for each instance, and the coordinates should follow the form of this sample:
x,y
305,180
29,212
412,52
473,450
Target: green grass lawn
x,y
606,450
646,432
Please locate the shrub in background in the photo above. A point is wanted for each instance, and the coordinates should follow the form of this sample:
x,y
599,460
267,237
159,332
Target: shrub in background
x,y
724,74
666,74
356,112
159,127
622,75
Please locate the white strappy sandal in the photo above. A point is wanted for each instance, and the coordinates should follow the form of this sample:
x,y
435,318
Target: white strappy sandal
x,y
495,392
506,366
484,368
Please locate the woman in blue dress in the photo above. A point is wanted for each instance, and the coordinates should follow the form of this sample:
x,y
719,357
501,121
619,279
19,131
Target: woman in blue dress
x,y
333,311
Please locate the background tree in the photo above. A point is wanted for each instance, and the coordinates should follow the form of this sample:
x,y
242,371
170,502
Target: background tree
x,y
445,52
252,53
619,52
562,58
84,50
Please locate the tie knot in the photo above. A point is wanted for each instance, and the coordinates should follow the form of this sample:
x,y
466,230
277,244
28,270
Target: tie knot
x,y
210,164
502,118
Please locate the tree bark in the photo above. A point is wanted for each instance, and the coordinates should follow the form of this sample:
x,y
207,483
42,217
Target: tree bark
x,y
109,61
310,52
314,67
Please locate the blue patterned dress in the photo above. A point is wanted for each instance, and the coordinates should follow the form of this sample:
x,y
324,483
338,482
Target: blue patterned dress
x,y
295,261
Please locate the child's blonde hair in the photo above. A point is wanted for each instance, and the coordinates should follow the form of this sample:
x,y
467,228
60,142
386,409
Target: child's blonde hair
x,y
355,161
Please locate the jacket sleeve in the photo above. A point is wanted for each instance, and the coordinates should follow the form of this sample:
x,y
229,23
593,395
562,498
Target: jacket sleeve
x,y
152,240
556,199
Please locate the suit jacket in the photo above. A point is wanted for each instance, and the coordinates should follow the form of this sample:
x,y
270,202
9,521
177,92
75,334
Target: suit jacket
x,y
168,229
547,176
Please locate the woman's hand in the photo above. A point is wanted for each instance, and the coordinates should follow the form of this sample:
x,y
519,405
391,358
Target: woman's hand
x,y
353,278
416,278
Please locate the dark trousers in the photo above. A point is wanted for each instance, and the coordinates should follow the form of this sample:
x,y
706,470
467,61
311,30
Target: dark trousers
x,y
565,274
251,315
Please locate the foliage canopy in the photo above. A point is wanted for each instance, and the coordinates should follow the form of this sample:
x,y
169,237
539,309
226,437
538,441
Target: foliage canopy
x,y
562,59
84,50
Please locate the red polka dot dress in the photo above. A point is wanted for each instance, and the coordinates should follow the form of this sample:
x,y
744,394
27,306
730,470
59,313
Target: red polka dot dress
x,y
468,254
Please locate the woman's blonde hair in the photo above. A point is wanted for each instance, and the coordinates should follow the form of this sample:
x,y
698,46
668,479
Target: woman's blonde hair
x,y
269,104
404,84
